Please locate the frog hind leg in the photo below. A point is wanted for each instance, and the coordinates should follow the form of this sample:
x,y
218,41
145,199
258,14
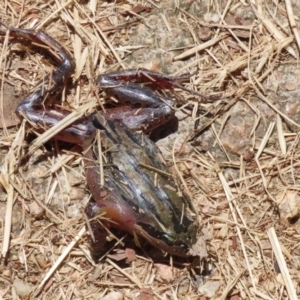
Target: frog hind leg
x,y
35,107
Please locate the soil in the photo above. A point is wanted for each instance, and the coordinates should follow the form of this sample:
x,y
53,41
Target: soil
x,y
235,151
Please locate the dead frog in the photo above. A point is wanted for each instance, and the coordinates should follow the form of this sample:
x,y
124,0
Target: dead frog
x,y
137,194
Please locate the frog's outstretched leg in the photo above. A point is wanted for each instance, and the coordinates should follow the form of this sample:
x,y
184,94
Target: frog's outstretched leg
x,y
51,85
157,81
35,107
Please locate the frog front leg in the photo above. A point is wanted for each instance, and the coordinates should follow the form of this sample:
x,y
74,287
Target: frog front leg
x,y
144,106
157,81
144,90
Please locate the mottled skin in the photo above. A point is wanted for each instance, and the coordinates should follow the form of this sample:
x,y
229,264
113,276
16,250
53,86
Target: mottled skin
x,y
133,198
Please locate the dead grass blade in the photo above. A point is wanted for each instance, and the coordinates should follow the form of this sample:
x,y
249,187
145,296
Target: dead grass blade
x,y
199,47
131,278
282,264
51,132
272,28
233,209
293,25
59,261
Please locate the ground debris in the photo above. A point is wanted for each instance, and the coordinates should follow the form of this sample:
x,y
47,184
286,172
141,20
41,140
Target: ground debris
x,y
236,156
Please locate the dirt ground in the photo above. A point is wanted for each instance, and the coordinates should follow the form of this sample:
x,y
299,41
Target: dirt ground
x,y
235,151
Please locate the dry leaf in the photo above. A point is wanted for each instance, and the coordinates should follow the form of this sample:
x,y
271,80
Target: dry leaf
x,y
166,273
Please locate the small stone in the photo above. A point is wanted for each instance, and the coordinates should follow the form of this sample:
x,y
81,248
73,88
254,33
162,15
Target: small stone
x,y
113,296
146,294
21,275
41,260
205,33
14,257
207,17
75,193
166,273
32,279
215,18
209,289
75,275
6,273
289,206
280,279
35,210
291,86
73,211
23,289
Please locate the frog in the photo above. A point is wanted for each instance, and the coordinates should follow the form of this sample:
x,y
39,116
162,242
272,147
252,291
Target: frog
x,y
133,191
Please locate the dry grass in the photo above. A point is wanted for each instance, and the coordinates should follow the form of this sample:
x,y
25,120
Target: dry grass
x,y
237,156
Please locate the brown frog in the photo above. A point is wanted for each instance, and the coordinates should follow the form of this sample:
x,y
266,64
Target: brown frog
x,y
137,194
